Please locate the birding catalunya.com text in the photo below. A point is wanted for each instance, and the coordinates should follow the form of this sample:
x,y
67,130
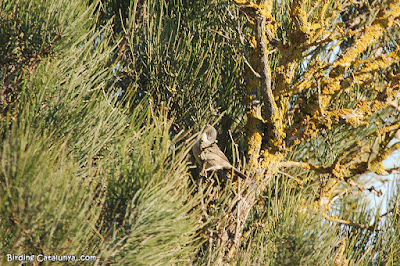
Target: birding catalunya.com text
x,y
52,258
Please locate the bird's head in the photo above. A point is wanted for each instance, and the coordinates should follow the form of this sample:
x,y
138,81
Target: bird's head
x,y
209,136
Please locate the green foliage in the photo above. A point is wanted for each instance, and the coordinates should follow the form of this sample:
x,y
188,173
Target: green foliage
x,y
148,201
176,56
47,200
50,200
289,235
28,33
81,176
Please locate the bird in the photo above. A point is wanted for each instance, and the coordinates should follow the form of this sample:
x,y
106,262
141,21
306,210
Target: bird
x,y
209,156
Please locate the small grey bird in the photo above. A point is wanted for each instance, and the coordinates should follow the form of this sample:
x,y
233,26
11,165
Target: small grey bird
x,y
208,154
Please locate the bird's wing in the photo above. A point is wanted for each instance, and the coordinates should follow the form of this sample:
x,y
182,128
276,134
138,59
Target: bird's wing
x,y
196,151
215,158
214,147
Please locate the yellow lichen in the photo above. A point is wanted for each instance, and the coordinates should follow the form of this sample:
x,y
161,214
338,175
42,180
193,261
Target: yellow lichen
x,y
331,87
330,188
381,131
297,11
254,139
377,167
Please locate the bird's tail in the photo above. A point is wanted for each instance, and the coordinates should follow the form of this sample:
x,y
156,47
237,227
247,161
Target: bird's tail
x,y
240,173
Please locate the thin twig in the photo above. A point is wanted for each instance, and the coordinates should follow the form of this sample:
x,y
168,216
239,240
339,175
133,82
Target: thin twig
x,y
243,54
361,187
238,215
290,176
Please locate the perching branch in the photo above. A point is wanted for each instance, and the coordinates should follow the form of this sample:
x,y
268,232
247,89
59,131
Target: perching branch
x,y
266,87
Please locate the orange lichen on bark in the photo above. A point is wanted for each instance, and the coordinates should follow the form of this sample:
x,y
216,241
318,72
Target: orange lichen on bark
x,y
340,171
259,93
269,159
391,128
353,117
328,191
346,222
380,62
327,81
331,87
302,31
368,67
264,9
377,167
255,134
362,71
371,107
322,12
371,34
